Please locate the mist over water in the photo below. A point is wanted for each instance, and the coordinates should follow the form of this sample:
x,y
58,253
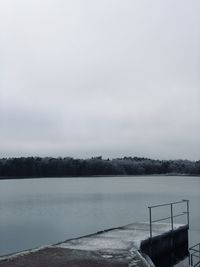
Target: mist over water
x,y
36,212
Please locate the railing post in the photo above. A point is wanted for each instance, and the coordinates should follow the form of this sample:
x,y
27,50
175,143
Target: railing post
x,y
172,222
188,217
199,250
150,222
150,228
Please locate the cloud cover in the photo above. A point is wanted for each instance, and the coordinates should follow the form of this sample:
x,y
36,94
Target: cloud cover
x,y
111,78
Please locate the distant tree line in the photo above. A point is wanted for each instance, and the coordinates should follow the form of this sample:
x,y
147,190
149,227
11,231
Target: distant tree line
x,y
69,167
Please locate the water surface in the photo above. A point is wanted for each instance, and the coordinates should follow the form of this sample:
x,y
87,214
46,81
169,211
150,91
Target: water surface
x,y
36,212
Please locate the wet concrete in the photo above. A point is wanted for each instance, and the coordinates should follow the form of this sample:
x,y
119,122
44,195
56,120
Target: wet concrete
x,y
60,257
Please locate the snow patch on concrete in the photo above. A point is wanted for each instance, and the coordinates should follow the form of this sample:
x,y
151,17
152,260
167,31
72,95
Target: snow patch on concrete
x,y
107,256
96,243
119,239
145,260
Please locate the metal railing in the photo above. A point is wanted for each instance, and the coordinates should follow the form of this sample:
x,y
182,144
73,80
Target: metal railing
x,y
195,255
172,216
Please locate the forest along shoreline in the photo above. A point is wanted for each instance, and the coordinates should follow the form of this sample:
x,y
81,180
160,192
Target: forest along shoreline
x,y
36,167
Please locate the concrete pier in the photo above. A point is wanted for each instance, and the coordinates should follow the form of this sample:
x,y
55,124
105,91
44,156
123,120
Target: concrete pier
x,y
126,246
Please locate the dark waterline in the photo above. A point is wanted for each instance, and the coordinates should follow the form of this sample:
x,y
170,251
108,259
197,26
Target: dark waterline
x,y
36,212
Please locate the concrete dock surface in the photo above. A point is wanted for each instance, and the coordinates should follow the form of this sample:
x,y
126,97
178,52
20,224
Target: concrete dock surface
x,y
120,247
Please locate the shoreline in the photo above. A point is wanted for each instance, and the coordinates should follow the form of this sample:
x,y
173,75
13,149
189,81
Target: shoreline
x,y
99,176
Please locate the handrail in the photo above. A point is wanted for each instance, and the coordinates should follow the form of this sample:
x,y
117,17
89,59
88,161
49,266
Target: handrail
x,y
168,204
194,250
167,218
172,216
195,246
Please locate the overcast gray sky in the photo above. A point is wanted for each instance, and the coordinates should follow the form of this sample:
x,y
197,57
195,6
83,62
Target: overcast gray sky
x,y
112,78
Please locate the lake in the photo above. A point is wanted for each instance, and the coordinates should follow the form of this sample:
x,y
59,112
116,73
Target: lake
x,y
37,212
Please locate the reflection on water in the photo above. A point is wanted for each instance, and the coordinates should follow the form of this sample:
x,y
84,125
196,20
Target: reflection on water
x,y
43,211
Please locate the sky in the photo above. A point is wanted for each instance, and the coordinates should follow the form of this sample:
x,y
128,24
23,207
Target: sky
x,y
108,77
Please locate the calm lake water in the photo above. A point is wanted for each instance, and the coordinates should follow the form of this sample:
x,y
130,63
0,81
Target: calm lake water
x,y
36,212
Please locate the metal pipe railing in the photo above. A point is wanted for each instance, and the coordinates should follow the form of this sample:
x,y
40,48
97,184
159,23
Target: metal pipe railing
x,y
194,253
167,204
172,216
